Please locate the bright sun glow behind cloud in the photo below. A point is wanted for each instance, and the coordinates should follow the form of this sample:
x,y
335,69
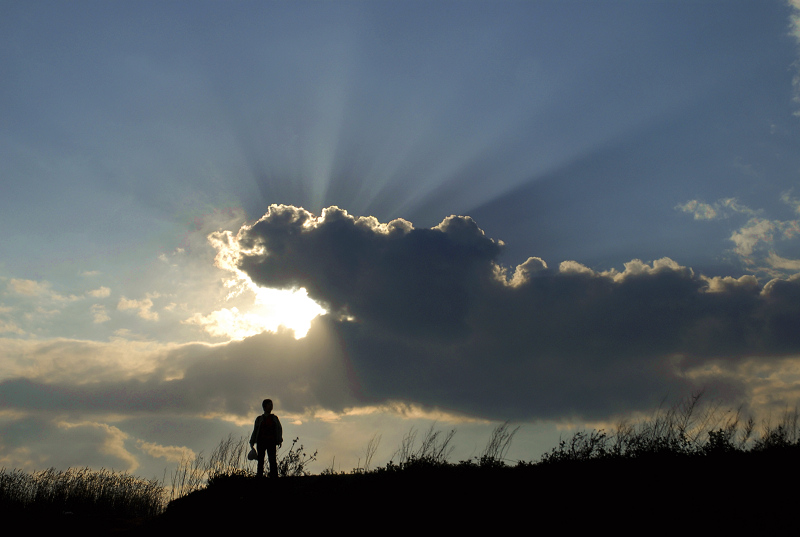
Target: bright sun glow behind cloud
x,y
292,309
269,310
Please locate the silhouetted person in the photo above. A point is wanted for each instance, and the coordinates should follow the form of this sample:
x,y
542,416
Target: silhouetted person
x,y
268,435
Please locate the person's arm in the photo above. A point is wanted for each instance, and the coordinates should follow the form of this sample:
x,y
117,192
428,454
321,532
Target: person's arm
x,y
254,436
278,432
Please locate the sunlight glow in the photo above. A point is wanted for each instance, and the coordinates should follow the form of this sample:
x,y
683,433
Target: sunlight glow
x,y
270,309
292,309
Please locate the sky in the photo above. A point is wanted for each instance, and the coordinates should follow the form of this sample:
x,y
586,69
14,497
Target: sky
x,y
387,216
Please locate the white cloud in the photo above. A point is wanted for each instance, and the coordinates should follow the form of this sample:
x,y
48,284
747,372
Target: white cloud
x,y
574,267
10,327
794,30
755,231
778,262
27,287
112,441
101,292
170,453
718,284
700,210
79,361
37,289
733,205
756,240
637,267
787,198
229,323
143,306
795,19
722,208
522,273
99,313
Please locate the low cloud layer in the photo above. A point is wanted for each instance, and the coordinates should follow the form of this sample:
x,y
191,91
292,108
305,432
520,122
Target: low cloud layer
x,y
428,317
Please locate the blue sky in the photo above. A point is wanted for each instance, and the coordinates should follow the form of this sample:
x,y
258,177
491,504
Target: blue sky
x,y
619,161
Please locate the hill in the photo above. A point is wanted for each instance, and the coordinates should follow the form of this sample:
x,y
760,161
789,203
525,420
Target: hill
x,y
651,495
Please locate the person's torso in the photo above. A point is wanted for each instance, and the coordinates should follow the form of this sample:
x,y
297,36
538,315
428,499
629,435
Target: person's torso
x,y
266,431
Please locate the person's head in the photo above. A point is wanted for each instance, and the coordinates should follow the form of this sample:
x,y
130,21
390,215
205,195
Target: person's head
x,y
267,405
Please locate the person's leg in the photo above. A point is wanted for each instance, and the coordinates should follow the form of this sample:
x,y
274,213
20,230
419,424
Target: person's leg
x,y
272,453
260,465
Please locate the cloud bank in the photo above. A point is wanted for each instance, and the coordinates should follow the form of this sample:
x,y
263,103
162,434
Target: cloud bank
x,y
428,317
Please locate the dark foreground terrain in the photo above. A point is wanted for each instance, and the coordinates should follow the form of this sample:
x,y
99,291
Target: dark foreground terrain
x,y
658,494
652,478
697,495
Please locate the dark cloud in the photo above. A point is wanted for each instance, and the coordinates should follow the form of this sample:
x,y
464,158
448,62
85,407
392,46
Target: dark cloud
x,y
435,320
427,317
414,282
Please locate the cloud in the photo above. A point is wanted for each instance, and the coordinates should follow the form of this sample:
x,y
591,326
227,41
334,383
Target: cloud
x,y
755,231
423,276
36,289
700,210
136,378
144,306
794,30
74,362
27,287
9,327
99,313
272,310
755,241
427,317
229,323
111,442
101,292
37,441
170,453
723,208
779,262
787,198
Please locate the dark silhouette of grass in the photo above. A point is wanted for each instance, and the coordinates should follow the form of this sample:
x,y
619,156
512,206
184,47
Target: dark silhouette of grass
x,y
79,498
